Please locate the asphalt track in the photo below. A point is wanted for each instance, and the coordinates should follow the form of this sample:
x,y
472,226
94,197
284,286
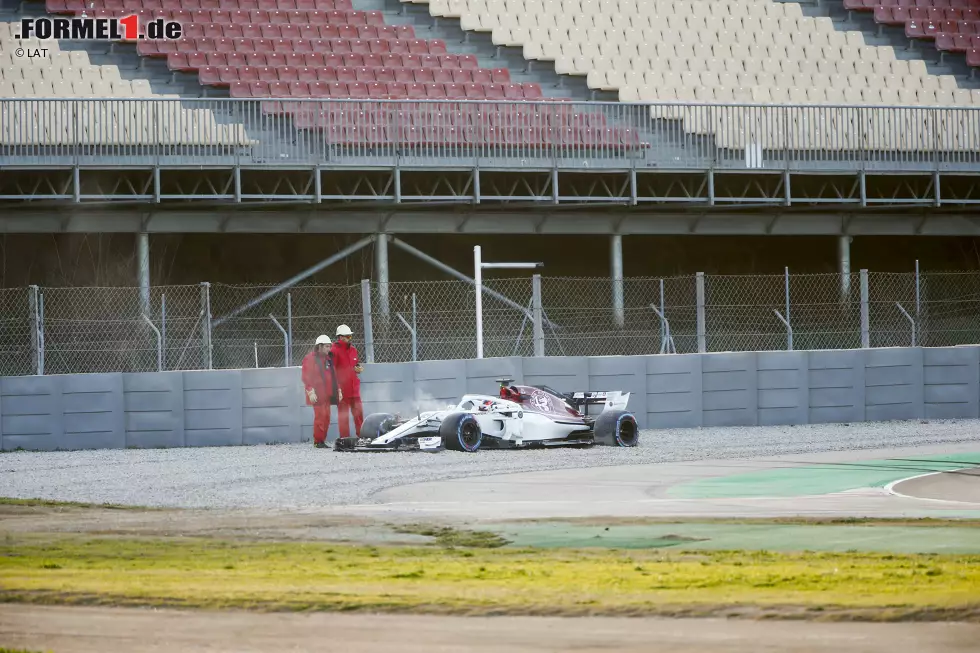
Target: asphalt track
x,y
944,487
868,483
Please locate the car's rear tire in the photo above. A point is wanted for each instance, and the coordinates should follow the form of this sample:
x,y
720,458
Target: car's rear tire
x,y
461,432
616,428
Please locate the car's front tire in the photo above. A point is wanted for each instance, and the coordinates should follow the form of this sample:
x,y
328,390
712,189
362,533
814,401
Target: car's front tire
x,y
616,428
461,432
377,424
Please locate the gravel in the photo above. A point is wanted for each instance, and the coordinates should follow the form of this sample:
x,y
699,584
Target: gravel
x,y
299,476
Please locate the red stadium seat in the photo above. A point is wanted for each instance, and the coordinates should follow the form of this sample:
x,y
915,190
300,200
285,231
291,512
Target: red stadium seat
x,y
397,90
320,89
346,32
357,90
474,91
245,74
379,46
945,42
501,76
209,76
494,91
404,75
177,61
384,74
240,90
482,75
299,89
346,74
531,91
228,75
306,74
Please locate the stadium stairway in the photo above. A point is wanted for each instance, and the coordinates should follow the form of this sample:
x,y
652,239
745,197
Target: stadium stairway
x,y
164,81
481,45
875,33
130,65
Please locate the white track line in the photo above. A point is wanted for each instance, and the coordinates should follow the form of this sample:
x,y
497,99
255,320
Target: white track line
x,y
890,488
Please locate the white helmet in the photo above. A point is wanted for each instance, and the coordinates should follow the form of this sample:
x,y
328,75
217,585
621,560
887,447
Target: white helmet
x,y
322,340
344,330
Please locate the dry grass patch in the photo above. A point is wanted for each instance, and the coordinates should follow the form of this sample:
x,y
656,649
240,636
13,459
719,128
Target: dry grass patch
x,y
461,579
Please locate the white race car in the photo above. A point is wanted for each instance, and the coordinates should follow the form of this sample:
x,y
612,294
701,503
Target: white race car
x,y
520,417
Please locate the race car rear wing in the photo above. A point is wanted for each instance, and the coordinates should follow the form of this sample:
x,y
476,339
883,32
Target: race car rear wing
x,y
581,401
615,400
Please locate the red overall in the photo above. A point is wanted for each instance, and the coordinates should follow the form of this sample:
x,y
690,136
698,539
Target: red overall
x,y
319,377
344,362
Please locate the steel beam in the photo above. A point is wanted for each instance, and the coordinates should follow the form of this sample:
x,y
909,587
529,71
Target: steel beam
x,y
616,256
203,218
381,261
844,266
143,270
339,256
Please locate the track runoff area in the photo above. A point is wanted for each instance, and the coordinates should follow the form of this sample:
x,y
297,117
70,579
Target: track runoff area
x,y
867,535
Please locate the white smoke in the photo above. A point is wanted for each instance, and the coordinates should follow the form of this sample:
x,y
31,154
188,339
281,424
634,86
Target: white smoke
x,y
425,402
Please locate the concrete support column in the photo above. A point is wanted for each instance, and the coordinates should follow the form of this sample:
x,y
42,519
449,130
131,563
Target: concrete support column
x,y
616,256
381,263
143,270
844,266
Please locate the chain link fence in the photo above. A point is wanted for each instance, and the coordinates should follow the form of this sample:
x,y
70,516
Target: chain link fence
x,y
204,326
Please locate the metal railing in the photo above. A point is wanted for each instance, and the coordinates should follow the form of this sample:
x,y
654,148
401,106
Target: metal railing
x,y
80,330
430,133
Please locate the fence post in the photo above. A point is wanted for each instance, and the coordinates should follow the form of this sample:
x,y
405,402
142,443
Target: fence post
x,y
537,309
35,317
368,331
163,327
285,340
916,289
415,332
702,330
289,329
206,324
40,335
789,321
159,342
865,312
918,296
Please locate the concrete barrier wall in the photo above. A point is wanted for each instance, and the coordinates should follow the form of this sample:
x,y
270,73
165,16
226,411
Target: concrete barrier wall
x,y
236,407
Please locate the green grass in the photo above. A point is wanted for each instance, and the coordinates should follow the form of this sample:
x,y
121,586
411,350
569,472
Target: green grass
x,y
461,579
18,650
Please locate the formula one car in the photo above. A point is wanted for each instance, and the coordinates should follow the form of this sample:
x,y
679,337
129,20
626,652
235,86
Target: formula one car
x,y
521,416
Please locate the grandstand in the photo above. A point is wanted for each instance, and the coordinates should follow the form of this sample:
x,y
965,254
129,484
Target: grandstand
x,y
698,88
